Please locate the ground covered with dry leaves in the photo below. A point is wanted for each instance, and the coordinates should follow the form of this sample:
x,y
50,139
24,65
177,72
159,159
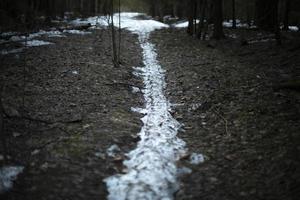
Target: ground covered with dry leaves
x,y
76,105
240,108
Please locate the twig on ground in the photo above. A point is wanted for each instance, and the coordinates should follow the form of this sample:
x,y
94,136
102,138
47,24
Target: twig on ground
x,y
225,121
121,83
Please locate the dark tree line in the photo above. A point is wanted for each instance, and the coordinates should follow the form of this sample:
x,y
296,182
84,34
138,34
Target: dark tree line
x,y
16,12
265,14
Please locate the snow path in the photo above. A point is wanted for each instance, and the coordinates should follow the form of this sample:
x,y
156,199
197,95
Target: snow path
x,y
151,171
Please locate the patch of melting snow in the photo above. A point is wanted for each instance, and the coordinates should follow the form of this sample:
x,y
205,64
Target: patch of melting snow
x,y
75,72
36,43
113,150
13,51
196,159
139,110
7,176
293,28
35,35
78,32
135,90
151,168
8,34
184,24
226,24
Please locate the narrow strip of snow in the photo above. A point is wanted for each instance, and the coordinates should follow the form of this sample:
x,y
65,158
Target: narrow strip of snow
x,y
78,32
184,24
151,167
7,176
36,43
227,24
13,51
36,35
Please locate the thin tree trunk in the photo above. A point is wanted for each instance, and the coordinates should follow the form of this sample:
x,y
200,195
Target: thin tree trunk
x,y
267,17
96,7
201,23
190,29
286,14
248,14
218,19
120,33
233,14
113,36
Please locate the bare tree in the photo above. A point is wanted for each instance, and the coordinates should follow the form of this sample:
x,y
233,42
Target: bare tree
x,y
286,14
218,19
267,17
113,35
233,14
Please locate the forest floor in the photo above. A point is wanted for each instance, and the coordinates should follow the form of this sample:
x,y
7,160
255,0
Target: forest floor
x,y
77,105
236,110
230,98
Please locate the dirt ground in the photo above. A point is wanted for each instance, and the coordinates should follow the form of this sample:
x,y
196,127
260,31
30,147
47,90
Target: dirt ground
x,y
76,105
237,110
232,99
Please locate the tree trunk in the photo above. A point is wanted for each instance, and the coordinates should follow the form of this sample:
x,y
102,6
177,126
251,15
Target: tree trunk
x,y
218,19
233,14
96,7
191,9
113,36
267,14
286,14
267,17
202,15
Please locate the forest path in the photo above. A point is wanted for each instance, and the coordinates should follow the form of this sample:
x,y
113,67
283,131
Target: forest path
x,y
77,122
151,171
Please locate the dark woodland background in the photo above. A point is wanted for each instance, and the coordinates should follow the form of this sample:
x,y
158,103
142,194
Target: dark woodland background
x,y
17,14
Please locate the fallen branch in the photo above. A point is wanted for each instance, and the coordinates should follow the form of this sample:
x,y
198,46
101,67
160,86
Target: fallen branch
x,y
225,121
124,84
42,121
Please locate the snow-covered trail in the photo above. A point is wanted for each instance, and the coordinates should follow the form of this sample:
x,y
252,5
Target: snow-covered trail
x,y
151,171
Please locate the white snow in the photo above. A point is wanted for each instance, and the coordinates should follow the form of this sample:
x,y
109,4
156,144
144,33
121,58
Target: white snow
x,y
239,24
184,24
78,32
113,150
127,21
8,34
135,90
151,167
75,72
6,52
94,21
7,176
17,38
227,24
293,28
196,159
36,43
35,35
